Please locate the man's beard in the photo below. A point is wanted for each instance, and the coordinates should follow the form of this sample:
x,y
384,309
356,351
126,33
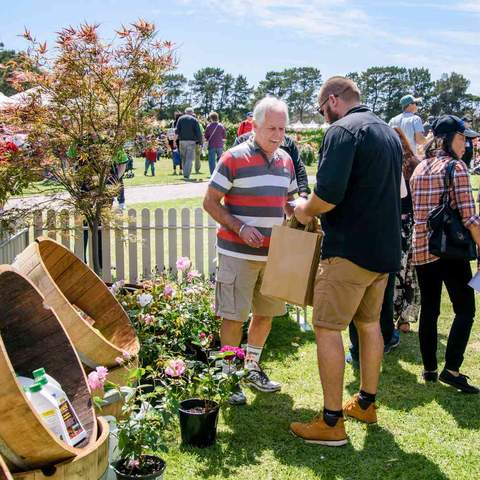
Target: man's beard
x,y
332,117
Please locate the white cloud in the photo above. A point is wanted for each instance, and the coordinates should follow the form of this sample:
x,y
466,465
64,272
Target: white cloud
x,y
350,25
321,19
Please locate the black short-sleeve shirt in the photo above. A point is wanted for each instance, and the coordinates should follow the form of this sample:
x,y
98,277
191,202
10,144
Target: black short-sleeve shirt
x,y
359,171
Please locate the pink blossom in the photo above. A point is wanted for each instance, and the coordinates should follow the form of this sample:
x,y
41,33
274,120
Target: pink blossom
x,y
183,264
236,352
168,291
175,368
202,335
240,353
119,360
93,381
148,319
126,355
102,373
193,274
133,464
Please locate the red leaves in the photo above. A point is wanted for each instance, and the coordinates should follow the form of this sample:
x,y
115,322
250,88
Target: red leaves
x,y
144,28
88,33
26,34
124,32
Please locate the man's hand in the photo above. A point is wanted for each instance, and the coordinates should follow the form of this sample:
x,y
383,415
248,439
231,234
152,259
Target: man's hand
x,y
299,211
251,236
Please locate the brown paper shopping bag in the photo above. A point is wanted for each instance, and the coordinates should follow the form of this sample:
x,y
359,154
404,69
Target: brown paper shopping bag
x,y
292,262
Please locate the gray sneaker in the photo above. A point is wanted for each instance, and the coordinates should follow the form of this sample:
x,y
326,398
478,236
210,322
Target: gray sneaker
x,y
259,380
237,397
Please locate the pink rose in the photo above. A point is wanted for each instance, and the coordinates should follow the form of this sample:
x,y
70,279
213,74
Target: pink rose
x,y
102,373
193,274
93,381
183,264
175,368
133,464
168,291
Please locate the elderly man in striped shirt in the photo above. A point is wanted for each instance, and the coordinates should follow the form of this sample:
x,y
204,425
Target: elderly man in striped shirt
x,y
254,180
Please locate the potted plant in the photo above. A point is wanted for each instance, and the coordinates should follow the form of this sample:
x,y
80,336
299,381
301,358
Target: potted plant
x,y
208,386
170,313
140,430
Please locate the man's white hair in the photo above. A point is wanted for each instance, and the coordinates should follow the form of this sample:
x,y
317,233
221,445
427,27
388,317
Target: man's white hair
x,y
268,104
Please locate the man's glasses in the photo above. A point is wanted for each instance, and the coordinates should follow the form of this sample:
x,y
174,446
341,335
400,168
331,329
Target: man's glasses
x,y
320,107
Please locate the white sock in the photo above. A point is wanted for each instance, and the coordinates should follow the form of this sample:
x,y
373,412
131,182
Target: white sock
x,y
252,357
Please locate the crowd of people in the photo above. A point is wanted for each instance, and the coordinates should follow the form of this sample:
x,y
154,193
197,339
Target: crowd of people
x,y
379,190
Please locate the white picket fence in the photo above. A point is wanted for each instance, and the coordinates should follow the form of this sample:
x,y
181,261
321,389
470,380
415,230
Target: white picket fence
x,y
12,245
139,243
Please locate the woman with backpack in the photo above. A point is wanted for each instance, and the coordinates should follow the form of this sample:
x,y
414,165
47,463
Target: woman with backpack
x,y
441,182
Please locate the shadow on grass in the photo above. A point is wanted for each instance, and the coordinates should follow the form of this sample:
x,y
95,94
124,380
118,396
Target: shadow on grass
x,y
285,339
260,430
402,390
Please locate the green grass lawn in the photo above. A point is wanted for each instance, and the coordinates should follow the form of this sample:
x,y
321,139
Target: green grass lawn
x,y
163,176
424,431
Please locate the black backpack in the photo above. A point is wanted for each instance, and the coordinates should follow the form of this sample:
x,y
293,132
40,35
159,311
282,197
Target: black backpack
x,y
448,237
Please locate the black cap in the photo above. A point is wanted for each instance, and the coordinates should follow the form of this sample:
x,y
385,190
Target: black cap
x,y
451,124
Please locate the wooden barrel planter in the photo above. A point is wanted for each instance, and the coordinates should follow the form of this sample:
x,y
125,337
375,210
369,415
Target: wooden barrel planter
x,y
96,322
31,336
4,471
88,465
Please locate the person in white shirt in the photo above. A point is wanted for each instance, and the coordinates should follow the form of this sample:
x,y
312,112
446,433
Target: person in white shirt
x,y
410,124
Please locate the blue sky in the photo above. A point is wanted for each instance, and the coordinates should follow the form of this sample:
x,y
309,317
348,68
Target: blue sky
x,y
254,36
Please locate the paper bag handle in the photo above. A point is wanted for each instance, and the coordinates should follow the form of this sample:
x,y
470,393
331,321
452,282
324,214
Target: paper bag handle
x,y
312,226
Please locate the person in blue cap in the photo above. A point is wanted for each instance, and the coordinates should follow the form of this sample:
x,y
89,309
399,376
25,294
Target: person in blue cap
x,y
410,124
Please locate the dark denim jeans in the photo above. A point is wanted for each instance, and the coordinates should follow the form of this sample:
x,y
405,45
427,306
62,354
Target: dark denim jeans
x,y
214,155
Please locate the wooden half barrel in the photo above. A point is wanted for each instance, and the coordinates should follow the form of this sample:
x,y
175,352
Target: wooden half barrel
x,y
31,336
88,465
4,471
96,322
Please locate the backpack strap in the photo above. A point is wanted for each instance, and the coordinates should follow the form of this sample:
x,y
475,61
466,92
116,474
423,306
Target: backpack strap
x,y
448,181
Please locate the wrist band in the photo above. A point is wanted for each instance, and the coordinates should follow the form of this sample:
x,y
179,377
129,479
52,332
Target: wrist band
x,y
241,228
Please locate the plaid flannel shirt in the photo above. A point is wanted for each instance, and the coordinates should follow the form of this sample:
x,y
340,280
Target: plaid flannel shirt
x,y
427,185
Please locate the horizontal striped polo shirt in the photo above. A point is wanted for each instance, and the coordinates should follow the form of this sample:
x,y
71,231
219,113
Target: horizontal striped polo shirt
x,y
256,190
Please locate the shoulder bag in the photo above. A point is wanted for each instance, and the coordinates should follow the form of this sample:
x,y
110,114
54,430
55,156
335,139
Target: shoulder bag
x,y
448,237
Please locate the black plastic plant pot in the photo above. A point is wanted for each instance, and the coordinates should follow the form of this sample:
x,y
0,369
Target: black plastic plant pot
x,y
198,422
157,474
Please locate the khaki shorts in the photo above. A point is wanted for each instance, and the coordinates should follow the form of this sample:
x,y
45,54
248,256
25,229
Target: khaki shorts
x,y
237,290
345,292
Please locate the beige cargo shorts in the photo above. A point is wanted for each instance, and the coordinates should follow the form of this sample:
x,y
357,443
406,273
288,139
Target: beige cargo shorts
x,y
237,291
